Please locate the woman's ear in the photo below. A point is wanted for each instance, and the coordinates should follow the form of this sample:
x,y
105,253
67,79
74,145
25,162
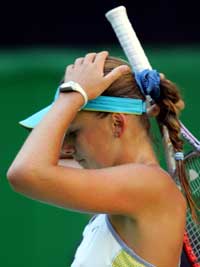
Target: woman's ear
x,y
119,122
153,110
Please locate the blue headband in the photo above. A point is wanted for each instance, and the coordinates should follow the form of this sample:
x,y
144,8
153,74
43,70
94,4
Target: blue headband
x,y
116,104
149,83
101,103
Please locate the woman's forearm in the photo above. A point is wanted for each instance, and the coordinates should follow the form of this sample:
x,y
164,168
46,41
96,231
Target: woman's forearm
x,y
42,147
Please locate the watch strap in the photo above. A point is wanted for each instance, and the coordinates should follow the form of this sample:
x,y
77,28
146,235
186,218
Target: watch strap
x,y
73,86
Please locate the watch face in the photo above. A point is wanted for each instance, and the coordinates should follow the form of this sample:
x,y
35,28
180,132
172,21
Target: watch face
x,y
66,89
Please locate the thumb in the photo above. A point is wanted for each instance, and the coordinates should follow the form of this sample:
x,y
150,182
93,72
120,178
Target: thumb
x,y
116,73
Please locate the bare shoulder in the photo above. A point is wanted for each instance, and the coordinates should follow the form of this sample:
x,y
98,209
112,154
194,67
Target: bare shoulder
x,y
153,178
165,191
149,187
171,190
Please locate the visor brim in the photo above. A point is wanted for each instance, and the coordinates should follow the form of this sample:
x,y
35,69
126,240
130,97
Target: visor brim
x,y
34,119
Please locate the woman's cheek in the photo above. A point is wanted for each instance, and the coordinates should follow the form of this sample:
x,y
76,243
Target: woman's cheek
x,y
97,148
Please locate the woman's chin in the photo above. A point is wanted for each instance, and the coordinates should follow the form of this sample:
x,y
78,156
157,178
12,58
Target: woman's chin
x,y
69,163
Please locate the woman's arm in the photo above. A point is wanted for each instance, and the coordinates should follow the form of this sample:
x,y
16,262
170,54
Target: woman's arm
x,y
35,171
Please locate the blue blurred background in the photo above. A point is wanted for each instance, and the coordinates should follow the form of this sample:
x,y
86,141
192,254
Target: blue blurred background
x,y
37,41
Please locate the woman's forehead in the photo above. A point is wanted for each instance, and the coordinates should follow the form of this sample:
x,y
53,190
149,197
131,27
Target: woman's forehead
x,y
82,118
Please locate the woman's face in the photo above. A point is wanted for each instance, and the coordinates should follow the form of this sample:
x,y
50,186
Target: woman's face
x,y
89,139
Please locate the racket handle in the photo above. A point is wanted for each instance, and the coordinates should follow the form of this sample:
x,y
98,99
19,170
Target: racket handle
x,y
127,38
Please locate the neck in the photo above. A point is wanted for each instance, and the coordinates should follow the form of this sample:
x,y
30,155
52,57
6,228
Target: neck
x,y
137,151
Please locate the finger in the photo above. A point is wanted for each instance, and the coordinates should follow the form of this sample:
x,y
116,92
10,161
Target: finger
x,y
100,58
78,61
89,58
117,73
162,76
69,68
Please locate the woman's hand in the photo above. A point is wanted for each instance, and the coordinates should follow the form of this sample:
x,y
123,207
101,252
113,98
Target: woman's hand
x,y
88,72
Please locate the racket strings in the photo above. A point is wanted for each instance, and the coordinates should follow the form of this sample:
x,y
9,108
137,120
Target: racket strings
x,y
192,241
186,189
192,166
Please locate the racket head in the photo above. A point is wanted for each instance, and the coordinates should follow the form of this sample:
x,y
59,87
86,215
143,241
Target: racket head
x,y
192,234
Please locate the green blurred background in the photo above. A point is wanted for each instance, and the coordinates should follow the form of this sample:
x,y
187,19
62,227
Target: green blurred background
x,y
31,233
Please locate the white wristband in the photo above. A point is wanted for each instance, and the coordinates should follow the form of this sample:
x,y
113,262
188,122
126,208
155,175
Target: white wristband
x,y
73,86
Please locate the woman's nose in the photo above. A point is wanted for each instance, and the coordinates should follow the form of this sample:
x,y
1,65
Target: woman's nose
x,y
67,151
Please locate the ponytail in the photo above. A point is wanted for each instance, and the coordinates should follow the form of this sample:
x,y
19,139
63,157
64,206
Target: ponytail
x,y
171,104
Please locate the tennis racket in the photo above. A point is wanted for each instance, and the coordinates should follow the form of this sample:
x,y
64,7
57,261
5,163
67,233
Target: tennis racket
x,y
192,166
138,61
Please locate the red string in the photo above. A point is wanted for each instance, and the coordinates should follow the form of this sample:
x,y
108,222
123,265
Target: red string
x,y
189,251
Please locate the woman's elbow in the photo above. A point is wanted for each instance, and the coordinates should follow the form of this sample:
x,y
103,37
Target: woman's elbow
x,y
18,176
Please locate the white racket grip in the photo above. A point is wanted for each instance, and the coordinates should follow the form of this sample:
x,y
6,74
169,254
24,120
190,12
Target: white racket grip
x,y
128,39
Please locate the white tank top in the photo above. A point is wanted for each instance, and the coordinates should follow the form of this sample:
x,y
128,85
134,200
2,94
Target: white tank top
x,y
102,247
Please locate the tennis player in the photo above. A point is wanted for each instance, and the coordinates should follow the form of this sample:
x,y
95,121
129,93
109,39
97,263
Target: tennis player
x,y
99,116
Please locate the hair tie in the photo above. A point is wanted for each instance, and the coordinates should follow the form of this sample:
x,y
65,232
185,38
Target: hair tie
x,y
149,83
179,156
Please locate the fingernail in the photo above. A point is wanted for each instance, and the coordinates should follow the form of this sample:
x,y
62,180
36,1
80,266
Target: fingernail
x,y
126,69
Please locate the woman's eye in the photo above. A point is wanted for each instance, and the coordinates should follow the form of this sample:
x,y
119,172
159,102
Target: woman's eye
x,y
73,134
